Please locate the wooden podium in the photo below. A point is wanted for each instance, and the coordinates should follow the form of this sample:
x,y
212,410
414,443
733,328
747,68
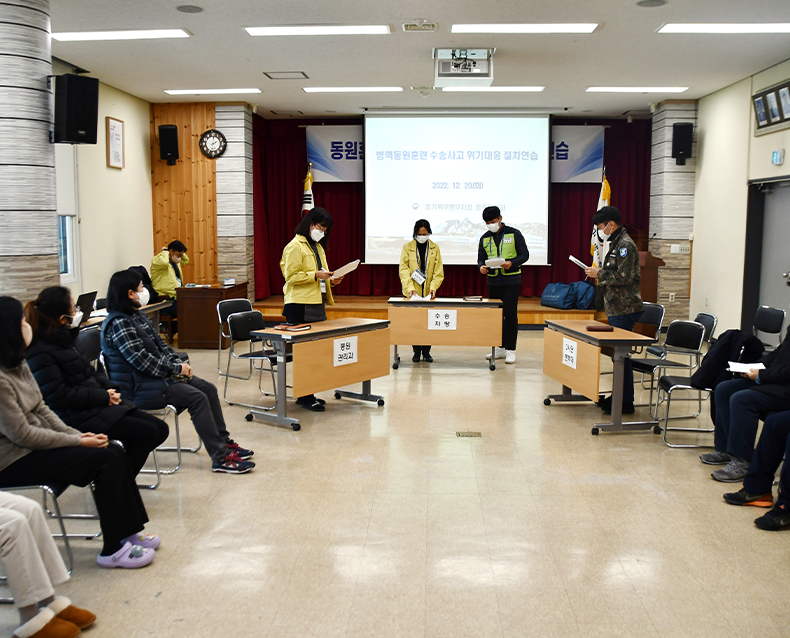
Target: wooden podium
x,y
198,324
648,269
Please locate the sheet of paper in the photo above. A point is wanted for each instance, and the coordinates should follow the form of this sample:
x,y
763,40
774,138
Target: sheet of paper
x,y
349,267
735,366
579,263
495,262
418,298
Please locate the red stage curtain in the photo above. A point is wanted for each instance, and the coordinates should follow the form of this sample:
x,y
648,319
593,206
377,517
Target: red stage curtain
x,y
280,164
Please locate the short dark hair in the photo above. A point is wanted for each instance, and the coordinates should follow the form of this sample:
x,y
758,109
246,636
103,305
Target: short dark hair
x,y
422,223
177,246
315,216
44,312
491,212
12,345
608,214
118,291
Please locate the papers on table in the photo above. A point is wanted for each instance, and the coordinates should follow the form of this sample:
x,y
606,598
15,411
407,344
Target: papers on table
x,y
344,270
744,368
418,298
495,262
580,264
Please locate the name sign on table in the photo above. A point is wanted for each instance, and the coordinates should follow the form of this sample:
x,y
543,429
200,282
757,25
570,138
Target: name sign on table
x,y
569,352
345,351
442,319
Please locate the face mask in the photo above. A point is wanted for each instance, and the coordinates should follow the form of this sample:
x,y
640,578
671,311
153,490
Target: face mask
x,y
176,260
316,234
604,234
421,238
144,297
27,333
74,321
493,227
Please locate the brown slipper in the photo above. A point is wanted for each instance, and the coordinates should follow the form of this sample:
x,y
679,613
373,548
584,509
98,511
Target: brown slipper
x,y
45,624
64,610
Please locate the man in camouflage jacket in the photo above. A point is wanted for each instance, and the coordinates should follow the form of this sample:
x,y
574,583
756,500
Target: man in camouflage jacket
x,y
619,277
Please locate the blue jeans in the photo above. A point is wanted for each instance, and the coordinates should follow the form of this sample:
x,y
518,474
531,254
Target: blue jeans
x,y
626,322
738,408
774,444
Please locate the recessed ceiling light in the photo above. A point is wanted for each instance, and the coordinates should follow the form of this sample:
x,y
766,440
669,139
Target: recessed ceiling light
x,y
209,91
577,27
637,89
489,89
189,8
88,36
650,4
733,27
352,89
286,75
365,29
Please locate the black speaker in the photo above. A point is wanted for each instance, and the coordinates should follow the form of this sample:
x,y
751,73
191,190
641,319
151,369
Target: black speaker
x,y
168,143
76,109
682,138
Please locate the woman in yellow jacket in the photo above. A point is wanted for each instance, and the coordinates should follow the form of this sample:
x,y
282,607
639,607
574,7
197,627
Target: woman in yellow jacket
x,y
308,280
421,272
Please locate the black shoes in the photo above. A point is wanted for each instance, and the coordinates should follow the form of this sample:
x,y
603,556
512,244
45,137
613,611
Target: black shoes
x,y
742,497
428,358
416,357
311,403
778,518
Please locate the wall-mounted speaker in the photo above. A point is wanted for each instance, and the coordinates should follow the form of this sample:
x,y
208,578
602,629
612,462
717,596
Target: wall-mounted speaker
x,y
76,109
682,139
168,143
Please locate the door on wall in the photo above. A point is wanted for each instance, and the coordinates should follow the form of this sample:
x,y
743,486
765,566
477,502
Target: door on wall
x,y
775,264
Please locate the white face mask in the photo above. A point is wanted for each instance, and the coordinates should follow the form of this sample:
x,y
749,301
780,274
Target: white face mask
x,y
176,260
421,238
27,333
604,234
75,320
493,227
316,234
144,297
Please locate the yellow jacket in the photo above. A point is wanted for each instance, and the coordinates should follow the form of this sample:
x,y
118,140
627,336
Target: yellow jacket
x,y
434,271
298,267
162,275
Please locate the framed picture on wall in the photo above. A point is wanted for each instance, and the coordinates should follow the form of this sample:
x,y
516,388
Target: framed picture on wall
x,y
759,108
784,97
116,157
773,107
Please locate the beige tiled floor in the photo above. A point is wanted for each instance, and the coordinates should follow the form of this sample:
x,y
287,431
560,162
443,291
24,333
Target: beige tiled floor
x,y
381,522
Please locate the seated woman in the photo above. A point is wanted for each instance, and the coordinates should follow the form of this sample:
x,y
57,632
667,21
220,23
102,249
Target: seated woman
x,y
37,447
81,397
34,566
150,373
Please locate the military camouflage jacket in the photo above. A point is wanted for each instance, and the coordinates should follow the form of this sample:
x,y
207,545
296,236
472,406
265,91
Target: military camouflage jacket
x,y
620,276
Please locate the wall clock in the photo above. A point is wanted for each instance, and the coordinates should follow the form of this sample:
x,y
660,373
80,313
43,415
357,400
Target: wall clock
x,y
213,143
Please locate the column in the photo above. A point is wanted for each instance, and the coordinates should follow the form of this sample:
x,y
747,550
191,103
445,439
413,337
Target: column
x,y
28,215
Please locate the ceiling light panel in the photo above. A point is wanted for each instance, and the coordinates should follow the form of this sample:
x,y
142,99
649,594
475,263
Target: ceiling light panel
x,y
571,27
494,89
352,89
365,29
91,36
728,28
210,91
637,89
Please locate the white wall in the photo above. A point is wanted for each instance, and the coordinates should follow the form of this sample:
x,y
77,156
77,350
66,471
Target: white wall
x,y
721,191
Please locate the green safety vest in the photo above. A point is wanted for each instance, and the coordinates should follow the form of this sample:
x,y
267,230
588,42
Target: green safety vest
x,y
506,250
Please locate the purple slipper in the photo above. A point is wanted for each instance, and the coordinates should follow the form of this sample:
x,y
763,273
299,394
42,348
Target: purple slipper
x,y
128,557
149,541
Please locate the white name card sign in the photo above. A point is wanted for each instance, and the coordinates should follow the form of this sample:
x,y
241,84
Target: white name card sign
x,y
569,349
442,319
345,351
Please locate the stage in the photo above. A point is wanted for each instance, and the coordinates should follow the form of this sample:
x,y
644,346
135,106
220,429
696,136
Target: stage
x,y
530,312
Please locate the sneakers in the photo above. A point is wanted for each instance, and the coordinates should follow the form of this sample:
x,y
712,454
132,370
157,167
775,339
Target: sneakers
x,y
715,458
232,464
742,497
128,557
499,353
510,356
733,472
778,518
243,454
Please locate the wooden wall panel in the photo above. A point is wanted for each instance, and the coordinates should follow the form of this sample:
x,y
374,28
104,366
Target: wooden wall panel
x,y
185,195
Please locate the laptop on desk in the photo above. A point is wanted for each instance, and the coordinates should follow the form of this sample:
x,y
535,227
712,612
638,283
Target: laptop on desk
x,y
85,302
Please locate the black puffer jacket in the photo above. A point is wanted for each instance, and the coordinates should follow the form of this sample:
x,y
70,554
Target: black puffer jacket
x,y
70,385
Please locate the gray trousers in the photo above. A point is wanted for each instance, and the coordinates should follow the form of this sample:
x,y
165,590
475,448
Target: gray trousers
x,y
201,399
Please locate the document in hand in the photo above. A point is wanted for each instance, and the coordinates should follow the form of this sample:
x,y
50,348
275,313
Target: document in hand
x,y
344,270
744,368
495,262
579,263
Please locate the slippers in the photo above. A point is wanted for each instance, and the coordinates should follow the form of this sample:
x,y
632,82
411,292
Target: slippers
x,y
63,609
45,624
128,557
149,541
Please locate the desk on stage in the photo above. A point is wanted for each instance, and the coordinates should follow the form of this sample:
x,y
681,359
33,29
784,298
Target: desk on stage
x,y
572,356
477,323
315,367
198,323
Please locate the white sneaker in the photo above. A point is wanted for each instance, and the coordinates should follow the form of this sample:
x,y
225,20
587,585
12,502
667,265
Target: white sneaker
x,y
510,357
498,354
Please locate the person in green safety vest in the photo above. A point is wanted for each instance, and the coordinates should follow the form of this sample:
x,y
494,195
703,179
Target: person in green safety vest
x,y
504,281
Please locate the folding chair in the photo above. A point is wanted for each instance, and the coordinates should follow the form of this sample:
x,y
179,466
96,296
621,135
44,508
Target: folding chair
x,y
225,308
710,322
163,413
669,384
770,321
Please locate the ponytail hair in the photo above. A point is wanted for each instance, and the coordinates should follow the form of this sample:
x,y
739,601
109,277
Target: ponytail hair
x,y
44,312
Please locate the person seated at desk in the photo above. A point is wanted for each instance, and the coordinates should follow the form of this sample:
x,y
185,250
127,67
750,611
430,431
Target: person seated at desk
x,y
83,398
36,447
739,403
33,565
421,272
620,279
774,445
306,274
150,373
166,273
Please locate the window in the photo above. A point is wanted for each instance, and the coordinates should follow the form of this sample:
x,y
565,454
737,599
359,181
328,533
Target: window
x,y
68,233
